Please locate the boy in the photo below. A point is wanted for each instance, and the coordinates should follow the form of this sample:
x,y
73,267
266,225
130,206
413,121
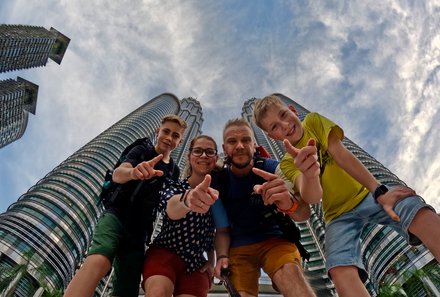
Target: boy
x,y
349,192
121,232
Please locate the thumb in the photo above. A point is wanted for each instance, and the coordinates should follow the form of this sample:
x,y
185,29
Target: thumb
x,y
389,210
258,189
293,151
311,142
204,185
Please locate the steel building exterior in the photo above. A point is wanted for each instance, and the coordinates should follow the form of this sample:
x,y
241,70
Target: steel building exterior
x,y
23,47
48,230
18,98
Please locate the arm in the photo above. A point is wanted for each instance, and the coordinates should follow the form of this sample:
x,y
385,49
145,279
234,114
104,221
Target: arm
x,y
308,182
144,170
303,212
221,242
176,209
347,161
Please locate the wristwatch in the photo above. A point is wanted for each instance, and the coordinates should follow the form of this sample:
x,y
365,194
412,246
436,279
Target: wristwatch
x,y
380,190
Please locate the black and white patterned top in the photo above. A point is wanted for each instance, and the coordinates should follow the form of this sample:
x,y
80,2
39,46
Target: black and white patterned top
x,y
188,237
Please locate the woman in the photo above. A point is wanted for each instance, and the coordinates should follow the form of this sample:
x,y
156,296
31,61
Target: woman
x,y
175,264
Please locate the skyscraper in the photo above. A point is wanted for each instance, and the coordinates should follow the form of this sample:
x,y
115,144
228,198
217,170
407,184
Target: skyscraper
x,y
30,46
386,255
49,228
17,99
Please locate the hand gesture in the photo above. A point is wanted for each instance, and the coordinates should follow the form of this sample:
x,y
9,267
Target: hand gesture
x,y
202,196
390,198
274,190
145,170
306,158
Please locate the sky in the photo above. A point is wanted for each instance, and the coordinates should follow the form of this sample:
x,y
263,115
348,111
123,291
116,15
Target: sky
x,y
373,67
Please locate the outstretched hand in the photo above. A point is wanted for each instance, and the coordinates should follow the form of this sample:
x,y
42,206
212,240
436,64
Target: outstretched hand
x,y
274,190
306,158
390,198
202,196
145,170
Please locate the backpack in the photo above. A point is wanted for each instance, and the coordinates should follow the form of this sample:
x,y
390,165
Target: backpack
x,y
269,213
110,191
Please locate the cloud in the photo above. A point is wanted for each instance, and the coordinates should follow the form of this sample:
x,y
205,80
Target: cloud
x,y
373,67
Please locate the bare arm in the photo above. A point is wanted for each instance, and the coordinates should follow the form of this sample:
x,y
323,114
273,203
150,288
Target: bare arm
x,y
308,182
347,161
303,212
176,209
144,170
221,241
354,167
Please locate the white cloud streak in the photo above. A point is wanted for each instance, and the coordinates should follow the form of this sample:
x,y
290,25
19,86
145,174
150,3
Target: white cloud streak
x,y
373,67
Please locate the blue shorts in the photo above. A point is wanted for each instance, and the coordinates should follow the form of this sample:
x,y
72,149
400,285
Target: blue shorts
x,y
342,235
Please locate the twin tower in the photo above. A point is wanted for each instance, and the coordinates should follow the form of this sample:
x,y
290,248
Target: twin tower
x,y
48,230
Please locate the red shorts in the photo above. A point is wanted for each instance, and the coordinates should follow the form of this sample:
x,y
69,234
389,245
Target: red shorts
x,y
161,261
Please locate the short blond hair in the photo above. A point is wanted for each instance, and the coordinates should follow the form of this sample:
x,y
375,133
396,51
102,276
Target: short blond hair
x,y
261,106
174,118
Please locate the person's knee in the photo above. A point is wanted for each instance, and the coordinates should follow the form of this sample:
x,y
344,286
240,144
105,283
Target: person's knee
x,y
287,273
99,263
158,286
156,291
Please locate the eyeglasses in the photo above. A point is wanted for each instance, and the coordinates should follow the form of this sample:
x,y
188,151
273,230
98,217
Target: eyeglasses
x,y
198,152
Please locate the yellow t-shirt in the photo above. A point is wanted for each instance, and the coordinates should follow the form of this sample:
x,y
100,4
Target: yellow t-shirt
x,y
341,192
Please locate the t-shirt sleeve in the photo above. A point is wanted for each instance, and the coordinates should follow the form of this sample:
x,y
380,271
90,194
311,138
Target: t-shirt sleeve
x,y
219,215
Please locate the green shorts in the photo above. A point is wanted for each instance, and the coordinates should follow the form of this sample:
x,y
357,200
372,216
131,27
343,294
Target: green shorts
x,y
110,240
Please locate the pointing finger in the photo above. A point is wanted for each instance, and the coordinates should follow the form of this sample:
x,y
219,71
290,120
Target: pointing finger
x,y
264,174
155,160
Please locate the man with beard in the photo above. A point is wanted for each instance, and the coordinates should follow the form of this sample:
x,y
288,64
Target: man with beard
x,y
246,242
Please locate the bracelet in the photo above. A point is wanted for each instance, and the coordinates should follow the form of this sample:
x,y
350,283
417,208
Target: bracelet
x,y
183,199
291,209
221,257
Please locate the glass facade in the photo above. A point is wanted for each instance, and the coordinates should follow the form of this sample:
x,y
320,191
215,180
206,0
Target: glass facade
x,y
50,226
23,47
18,98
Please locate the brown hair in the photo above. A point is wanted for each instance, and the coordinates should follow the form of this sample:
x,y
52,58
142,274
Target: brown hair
x,y
236,122
261,106
174,118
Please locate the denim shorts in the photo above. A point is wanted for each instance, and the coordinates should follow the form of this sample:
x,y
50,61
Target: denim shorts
x,y
342,235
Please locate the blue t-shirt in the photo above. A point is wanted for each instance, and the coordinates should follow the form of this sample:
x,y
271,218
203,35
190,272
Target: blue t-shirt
x,y
238,209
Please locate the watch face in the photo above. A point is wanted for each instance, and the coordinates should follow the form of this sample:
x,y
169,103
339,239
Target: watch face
x,y
382,189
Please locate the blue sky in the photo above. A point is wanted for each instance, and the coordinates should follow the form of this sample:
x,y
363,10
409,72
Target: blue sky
x,y
373,67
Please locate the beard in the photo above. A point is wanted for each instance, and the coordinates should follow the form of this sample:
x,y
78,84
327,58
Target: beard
x,y
240,165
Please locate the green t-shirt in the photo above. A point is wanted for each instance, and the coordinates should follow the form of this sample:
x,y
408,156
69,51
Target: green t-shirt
x,y
341,192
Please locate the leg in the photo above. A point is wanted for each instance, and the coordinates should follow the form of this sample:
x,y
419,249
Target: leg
x,y
281,261
86,280
128,270
426,226
291,282
245,269
158,286
348,282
